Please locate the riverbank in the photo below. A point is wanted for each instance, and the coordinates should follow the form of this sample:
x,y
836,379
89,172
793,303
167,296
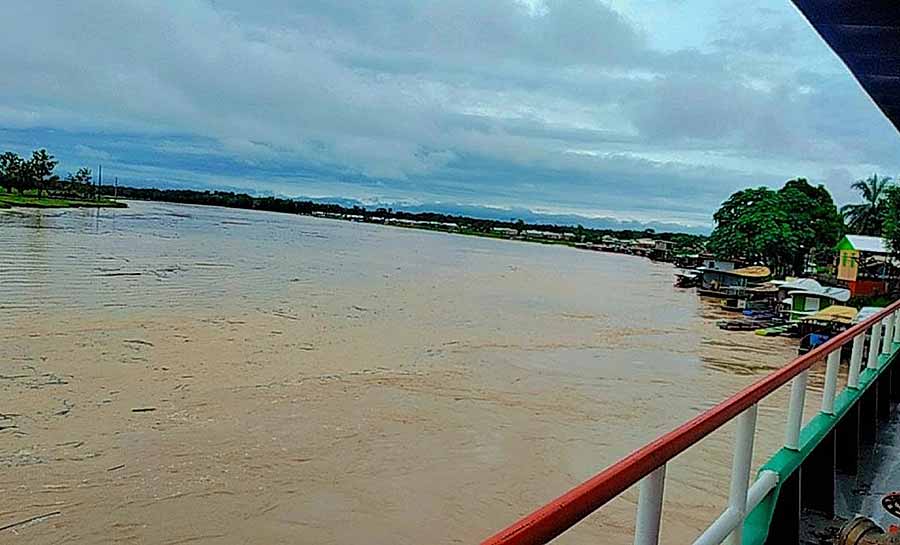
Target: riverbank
x,y
10,200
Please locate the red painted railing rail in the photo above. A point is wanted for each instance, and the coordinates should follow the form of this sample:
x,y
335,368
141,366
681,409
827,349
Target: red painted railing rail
x,y
556,517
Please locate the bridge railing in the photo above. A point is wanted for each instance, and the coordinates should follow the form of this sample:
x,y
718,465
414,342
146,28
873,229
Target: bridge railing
x,y
646,466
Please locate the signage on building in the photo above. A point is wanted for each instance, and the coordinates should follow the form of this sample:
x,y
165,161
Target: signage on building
x,y
848,265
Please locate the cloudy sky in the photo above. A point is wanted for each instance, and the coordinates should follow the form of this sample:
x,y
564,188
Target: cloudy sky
x,y
636,109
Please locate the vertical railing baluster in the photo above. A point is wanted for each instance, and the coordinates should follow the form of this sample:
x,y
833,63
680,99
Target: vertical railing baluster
x,y
874,341
831,376
795,411
649,509
897,327
740,469
856,360
888,338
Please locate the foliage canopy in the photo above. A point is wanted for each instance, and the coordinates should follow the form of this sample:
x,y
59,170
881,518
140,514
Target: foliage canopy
x,y
777,228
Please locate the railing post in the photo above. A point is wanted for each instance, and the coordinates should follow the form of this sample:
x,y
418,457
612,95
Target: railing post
x,y
740,469
795,411
831,376
874,341
888,338
649,510
856,360
897,327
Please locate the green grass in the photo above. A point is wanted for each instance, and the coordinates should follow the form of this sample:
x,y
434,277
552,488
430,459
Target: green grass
x,y
8,200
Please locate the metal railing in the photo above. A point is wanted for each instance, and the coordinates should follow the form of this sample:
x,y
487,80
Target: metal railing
x,y
647,465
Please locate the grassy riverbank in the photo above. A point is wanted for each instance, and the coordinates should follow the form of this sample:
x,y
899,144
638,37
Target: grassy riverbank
x,y
31,200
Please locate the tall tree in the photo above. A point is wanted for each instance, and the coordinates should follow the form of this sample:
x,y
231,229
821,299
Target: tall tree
x,y
891,228
41,168
11,171
814,220
751,226
776,228
866,218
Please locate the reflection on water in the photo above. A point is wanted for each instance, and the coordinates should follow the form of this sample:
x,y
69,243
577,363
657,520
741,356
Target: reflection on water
x,y
317,381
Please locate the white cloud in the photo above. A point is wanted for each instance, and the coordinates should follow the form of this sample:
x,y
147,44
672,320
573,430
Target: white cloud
x,y
509,100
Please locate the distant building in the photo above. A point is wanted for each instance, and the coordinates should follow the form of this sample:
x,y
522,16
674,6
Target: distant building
x,y
865,264
664,246
533,233
663,250
505,231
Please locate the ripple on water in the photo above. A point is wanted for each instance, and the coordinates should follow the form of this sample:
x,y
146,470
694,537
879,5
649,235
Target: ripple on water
x,y
588,353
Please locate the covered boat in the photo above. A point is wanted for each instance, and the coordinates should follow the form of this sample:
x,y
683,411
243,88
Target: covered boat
x,y
818,327
688,279
806,297
721,283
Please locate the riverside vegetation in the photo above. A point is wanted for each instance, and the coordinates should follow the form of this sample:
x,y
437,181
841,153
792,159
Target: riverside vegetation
x,y
33,183
785,229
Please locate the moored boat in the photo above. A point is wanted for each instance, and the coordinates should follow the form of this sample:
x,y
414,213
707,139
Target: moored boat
x,y
818,328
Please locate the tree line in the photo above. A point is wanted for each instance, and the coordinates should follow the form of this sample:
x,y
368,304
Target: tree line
x,y
788,227
37,174
682,241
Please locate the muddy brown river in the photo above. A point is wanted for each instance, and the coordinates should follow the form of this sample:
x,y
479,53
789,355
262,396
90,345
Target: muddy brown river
x,y
180,374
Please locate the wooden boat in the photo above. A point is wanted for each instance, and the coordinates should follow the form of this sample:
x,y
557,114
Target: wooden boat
x,y
688,279
751,321
782,329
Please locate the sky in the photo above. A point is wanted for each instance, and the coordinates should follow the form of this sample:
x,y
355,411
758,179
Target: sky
x,y
645,110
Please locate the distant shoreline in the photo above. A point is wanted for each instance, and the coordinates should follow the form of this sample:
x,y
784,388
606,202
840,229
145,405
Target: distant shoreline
x,y
662,246
12,200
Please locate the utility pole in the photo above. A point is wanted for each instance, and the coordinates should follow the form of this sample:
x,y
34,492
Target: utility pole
x,y
116,189
99,181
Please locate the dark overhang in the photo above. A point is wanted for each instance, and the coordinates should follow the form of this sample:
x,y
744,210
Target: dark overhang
x,y
866,35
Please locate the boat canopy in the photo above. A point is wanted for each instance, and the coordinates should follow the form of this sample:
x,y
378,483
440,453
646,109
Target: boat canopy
x,y
755,271
837,294
810,286
835,313
802,284
770,287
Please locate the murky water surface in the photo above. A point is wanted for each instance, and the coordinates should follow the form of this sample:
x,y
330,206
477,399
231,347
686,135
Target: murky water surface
x,y
180,374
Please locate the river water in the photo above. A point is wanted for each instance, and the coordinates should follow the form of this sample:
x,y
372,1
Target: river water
x,y
182,374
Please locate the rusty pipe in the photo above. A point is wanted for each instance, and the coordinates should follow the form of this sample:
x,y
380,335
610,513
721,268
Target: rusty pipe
x,y
864,531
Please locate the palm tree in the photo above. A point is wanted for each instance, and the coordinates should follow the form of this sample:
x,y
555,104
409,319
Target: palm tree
x,y
866,218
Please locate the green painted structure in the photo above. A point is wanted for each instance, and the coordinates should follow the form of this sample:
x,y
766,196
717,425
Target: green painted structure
x,y
818,433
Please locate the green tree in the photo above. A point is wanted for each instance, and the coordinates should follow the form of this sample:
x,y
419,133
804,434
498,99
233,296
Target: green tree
x,y
814,220
80,182
40,168
891,226
751,226
866,218
776,228
11,171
